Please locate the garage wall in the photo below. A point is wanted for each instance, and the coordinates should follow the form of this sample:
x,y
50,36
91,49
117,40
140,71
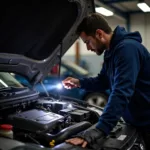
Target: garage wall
x,y
93,62
141,23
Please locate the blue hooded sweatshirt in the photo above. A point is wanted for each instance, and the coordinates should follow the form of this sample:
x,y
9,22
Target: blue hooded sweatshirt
x,y
126,73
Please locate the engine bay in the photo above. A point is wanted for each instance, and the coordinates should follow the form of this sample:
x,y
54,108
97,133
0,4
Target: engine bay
x,y
44,125
41,120
49,121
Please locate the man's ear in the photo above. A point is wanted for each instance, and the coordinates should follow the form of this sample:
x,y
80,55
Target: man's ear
x,y
98,33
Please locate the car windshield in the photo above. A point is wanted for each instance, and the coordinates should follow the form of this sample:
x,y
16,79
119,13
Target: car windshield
x,y
7,80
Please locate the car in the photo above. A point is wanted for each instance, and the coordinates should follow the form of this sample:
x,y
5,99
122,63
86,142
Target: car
x,y
33,37
52,84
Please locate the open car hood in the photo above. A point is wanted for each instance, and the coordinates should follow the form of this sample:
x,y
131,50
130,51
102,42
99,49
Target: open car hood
x,y
34,35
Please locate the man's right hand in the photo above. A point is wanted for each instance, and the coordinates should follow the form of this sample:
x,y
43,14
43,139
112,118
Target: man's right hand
x,y
70,83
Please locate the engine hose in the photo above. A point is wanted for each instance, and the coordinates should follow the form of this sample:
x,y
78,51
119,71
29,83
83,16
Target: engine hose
x,y
65,133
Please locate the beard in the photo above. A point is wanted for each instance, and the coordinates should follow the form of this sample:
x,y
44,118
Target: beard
x,y
100,47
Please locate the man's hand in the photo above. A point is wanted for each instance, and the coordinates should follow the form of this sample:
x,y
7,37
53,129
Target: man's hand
x,y
77,141
70,83
87,137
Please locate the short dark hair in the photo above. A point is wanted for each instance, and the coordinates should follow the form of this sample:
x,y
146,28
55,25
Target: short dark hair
x,y
91,23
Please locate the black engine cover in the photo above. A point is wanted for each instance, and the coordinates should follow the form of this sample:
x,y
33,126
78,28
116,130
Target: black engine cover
x,y
35,120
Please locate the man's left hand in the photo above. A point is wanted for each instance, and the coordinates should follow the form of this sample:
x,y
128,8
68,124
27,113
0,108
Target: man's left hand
x,y
77,141
86,137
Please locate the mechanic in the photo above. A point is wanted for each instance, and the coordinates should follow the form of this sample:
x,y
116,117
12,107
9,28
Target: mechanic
x,y
125,72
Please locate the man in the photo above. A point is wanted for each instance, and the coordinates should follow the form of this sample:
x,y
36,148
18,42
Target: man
x,y
125,72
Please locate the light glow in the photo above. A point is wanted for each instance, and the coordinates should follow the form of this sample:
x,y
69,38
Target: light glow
x,y
104,11
3,83
144,7
70,106
59,86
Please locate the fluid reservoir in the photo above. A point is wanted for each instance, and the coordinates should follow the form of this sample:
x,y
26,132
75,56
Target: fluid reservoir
x,y
6,130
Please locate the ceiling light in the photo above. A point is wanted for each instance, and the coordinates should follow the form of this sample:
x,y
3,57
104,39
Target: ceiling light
x,y
144,7
104,11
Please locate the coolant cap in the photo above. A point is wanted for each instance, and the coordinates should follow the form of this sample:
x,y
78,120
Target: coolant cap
x,y
6,127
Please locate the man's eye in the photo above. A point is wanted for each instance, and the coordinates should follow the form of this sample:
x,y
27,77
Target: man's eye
x,y
87,42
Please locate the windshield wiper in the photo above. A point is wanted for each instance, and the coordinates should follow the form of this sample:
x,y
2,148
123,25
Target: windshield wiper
x,y
4,88
10,91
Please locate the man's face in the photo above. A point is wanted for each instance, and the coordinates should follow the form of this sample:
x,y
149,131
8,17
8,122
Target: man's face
x,y
93,43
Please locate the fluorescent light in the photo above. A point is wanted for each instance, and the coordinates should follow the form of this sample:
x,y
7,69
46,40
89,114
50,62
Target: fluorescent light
x,y
104,11
144,7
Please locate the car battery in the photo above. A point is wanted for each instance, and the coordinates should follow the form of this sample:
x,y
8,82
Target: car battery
x,y
59,106
85,112
66,111
77,116
122,137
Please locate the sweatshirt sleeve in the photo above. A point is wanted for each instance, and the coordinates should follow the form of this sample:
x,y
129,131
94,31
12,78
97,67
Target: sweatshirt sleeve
x,y
127,65
96,84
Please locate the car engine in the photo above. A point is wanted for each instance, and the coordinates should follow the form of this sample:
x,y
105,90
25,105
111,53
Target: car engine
x,y
42,120
48,121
